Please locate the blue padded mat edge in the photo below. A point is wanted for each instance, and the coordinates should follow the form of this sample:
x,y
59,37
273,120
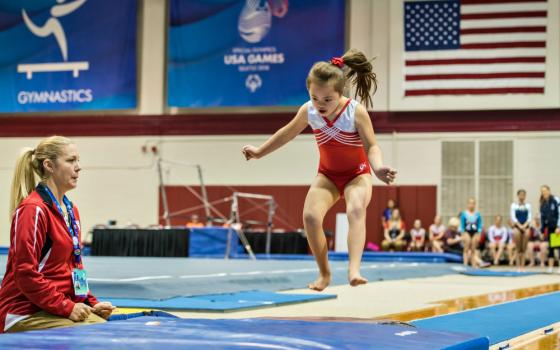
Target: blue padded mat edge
x,y
221,302
334,256
494,273
340,256
169,333
503,321
152,313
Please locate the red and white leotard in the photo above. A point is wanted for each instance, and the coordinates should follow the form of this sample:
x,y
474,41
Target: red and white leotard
x,y
341,153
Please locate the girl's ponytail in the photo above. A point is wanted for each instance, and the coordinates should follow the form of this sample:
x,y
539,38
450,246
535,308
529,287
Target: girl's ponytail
x,y
361,75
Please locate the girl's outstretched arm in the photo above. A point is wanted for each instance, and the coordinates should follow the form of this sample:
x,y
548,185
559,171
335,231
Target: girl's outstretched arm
x,y
280,137
365,129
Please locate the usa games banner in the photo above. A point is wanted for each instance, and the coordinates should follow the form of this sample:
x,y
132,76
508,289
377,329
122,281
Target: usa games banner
x,y
60,55
249,52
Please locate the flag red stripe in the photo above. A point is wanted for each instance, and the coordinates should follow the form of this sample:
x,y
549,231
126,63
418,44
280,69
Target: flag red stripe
x,y
475,76
541,29
475,61
475,46
520,14
512,90
483,2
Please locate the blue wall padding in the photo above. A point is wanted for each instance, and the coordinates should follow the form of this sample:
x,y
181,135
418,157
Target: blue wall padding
x,y
221,302
212,241
503,321
492,273
194,334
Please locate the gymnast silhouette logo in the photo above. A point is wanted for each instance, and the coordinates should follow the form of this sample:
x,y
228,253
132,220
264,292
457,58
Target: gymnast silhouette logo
x,y
53,27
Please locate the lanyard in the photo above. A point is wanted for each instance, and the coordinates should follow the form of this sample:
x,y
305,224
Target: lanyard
x,y
73,228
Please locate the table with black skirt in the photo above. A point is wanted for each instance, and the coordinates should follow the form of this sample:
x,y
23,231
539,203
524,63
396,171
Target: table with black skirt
x,y
172,242
281,242
184,242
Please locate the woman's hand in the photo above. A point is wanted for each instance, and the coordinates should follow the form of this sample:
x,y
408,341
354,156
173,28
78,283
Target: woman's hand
x,y
103,309
250,152
80,312
385,174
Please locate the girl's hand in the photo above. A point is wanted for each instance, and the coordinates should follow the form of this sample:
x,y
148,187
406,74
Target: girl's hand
x,y
250,152
385,174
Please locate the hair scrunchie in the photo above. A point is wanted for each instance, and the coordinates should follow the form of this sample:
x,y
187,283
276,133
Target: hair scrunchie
x,y
337,61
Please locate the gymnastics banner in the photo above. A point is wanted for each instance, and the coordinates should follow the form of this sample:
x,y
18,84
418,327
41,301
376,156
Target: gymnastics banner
x,y
225,53
60,55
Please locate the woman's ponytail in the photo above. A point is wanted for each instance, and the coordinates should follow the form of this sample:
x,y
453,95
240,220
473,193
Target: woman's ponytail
x,y
23,182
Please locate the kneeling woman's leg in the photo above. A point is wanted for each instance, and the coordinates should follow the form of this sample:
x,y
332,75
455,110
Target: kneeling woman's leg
x,y
44,320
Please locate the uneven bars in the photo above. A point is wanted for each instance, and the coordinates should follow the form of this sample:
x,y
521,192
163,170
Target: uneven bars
x,y
252,195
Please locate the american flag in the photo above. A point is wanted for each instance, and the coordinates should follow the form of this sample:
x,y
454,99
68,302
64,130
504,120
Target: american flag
x,y
474,47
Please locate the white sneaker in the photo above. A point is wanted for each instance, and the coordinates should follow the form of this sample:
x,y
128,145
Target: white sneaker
x,y
558,272
549,270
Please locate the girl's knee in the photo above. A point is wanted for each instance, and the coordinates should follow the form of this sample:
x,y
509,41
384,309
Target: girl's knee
x,y
385,245
312,220
355,211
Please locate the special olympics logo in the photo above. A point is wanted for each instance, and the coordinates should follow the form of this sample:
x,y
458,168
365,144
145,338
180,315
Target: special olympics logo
x,y
253,82
255,19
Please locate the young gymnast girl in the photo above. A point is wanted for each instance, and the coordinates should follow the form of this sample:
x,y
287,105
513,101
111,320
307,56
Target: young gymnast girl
x,y
347,147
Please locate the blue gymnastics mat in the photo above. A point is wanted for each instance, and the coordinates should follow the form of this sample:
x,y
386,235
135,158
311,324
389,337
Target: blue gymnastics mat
x,y
501,322
221,302
163,278
366,257
401,257
469,271
174,333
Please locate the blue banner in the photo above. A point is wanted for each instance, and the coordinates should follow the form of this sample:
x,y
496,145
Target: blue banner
x,y
249,52
60,55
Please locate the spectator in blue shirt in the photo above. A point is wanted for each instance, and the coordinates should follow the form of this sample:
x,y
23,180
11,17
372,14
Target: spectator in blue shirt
x,y
387,212
471,229
521,215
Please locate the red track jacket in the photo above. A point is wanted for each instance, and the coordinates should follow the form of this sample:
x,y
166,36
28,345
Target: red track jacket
x,y
40,262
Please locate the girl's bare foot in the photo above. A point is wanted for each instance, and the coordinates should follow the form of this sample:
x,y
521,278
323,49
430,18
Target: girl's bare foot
x,y
356,280
320,283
